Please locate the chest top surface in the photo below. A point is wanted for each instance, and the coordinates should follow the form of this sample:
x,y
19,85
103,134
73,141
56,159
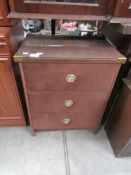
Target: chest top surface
x,y
75,49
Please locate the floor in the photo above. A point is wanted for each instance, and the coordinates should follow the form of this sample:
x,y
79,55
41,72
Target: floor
x,y
58,153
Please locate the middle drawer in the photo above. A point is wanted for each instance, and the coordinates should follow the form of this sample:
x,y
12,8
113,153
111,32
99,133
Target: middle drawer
x,y
89,102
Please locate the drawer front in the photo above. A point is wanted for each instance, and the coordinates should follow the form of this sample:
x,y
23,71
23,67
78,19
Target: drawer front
x,y
60,121
91,102
69,77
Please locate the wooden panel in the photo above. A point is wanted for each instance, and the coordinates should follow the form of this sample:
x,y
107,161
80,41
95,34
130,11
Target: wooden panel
x,y
91,102
52,77
4,12
99,8
111,7
118,128
123,8
11,113
54,121
10,108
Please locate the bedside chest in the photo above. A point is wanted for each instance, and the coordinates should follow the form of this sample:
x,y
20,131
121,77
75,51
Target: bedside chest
x,y
67,82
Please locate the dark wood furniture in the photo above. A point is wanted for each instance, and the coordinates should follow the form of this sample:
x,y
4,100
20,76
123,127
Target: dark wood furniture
x,y
66,82
11,113
123,9
118,127
4,12
82,7
120,10
123,43
115,11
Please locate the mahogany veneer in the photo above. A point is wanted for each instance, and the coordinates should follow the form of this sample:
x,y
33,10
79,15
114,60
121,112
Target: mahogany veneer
x,y
123,8
4,12
81,7
45,64
11,113
120,10
118,127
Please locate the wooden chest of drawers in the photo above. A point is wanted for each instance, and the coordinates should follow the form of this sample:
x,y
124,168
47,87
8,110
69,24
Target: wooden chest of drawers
x,y
67,82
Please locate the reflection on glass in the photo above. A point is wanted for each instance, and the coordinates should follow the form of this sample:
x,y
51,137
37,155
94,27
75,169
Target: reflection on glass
x,y
73,1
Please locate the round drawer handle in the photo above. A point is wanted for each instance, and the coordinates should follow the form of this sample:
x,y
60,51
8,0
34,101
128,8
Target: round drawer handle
x,y
68,103
71,78
66,121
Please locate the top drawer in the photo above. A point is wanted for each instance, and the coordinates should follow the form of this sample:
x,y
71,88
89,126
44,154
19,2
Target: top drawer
x,y
69,77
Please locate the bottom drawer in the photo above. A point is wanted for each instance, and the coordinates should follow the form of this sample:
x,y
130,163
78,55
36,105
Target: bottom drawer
x,y
55,121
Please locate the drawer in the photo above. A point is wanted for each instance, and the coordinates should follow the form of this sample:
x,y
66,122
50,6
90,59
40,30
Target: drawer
x,y
58,121
69,77
92,102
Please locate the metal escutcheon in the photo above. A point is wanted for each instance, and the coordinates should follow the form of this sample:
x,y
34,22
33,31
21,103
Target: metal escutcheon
x,y
66,121
68,103
71,78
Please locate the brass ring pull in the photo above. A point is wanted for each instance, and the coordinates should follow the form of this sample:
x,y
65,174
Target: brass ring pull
x,y
66,121
68,103
71,78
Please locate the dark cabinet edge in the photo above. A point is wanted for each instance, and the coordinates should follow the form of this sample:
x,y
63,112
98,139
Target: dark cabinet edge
x,y
57,16
127,83
20,59
120,20
111,19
